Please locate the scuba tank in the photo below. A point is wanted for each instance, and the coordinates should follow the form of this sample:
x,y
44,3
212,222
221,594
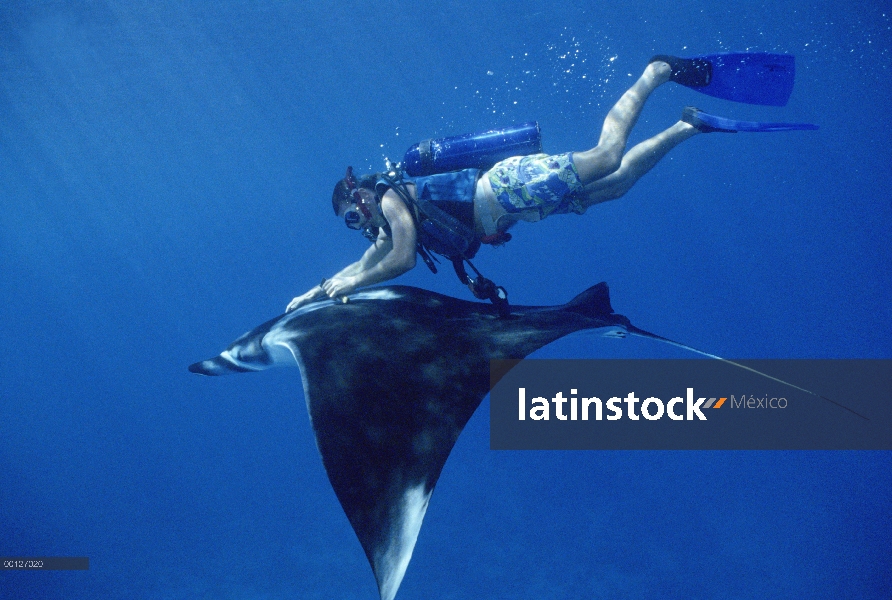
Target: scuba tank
x,y
472,151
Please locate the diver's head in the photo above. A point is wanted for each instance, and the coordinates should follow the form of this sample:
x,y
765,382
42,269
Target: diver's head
x,y
355,203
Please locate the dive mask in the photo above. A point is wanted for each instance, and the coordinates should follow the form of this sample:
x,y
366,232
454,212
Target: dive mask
x,y
354,216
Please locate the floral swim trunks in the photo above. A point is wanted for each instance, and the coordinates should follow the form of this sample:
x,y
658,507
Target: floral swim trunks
x,y
539,183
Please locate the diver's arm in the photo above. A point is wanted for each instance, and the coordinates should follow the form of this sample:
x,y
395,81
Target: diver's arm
x,y
375,254
372,256
396,258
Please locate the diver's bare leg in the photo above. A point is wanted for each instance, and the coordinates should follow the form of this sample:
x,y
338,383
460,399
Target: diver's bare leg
x,y
638,161
606,157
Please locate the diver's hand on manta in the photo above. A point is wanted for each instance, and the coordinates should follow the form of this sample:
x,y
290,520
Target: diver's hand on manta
x,y
336,287
296,303
305,298
339,286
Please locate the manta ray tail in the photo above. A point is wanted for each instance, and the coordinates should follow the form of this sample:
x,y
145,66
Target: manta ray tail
x,y
646,334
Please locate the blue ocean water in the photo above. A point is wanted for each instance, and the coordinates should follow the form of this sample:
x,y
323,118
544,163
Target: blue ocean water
x,y
165,170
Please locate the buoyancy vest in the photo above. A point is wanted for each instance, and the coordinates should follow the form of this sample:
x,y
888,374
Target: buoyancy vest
x,y
443,233
445,210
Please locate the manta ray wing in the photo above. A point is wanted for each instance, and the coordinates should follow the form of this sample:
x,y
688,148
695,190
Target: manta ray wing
x,y
390,379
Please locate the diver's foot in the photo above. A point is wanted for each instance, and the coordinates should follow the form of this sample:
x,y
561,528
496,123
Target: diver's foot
x,y
658,71
692,72
696,118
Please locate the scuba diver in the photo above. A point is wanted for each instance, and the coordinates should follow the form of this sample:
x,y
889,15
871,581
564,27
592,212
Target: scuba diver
x,y
452,213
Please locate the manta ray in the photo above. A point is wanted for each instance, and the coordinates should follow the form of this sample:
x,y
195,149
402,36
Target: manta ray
x,y
391,376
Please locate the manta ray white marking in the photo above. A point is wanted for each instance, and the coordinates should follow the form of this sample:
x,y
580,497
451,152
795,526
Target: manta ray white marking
x,y
378,294
394,559
374,294
227,355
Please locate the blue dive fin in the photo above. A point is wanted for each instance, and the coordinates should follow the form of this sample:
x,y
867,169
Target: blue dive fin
x,y
710,123
749,77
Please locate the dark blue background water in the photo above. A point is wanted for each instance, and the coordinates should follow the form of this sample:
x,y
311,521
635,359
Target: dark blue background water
x,y
165,170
